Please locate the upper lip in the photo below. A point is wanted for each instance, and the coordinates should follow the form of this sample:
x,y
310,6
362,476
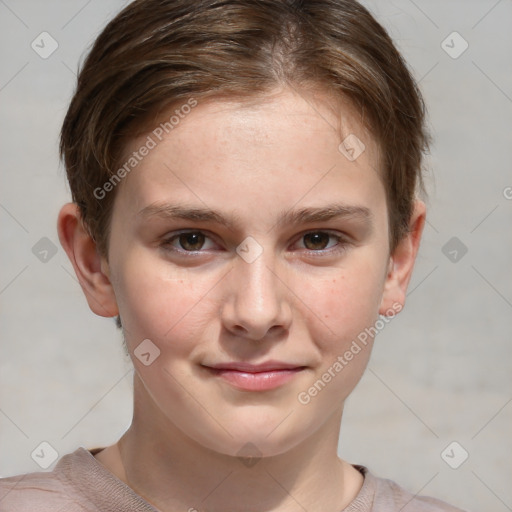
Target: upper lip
x,y
256,368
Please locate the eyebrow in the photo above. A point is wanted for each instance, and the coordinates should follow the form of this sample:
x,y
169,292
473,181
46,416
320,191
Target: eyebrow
x,y
308,215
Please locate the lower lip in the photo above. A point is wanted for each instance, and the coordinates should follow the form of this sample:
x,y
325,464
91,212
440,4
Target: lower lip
x,y
261,381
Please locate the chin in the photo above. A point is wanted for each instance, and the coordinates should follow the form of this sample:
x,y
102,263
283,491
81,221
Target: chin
x,y
252,441
254,447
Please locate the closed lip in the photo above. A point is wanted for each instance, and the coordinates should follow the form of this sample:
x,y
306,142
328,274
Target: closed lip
x,y
267,366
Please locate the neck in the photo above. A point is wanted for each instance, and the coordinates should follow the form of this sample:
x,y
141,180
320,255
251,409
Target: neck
x,y
173,472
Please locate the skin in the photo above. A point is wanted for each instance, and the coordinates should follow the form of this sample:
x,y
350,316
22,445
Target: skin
x,y
303,301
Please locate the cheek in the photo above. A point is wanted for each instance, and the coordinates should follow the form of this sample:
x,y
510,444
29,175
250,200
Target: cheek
x,y
161,303
346,308
348,301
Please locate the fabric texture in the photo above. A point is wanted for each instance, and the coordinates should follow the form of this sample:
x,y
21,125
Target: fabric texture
x,y
80,483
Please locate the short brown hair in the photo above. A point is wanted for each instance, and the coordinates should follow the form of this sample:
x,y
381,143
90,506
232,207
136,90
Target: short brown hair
x,y
159,53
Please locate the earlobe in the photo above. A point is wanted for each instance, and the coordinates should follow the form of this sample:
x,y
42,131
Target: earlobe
x,y
401,262
90,267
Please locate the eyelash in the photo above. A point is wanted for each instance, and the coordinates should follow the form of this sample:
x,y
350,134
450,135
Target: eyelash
x,y
342,243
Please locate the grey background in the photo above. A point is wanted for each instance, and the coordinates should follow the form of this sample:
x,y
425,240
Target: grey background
x,y
440,372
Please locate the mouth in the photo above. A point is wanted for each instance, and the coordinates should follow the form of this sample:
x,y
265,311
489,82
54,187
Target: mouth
x,y
251,377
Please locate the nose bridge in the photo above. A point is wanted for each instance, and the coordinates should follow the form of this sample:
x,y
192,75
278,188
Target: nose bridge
x,y
258,282
257,297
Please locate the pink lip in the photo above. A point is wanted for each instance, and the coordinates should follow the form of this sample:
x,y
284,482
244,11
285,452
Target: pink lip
x,y
261,377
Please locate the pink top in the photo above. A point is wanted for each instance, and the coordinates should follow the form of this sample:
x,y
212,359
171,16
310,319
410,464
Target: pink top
x,y
80,483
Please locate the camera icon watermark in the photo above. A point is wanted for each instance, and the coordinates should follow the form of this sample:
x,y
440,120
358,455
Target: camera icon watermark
x,y
44,250
249,250
454,45
146,352
352,147
454,455
44,455
44,45
454,249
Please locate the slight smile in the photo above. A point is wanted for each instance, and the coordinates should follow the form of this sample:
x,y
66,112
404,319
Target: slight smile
x,y
250,377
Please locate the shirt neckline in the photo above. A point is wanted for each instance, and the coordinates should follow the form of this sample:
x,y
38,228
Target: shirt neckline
x,y
86,473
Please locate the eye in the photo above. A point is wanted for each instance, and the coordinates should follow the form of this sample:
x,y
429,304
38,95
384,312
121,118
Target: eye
x,y
189,241
320,242
324,241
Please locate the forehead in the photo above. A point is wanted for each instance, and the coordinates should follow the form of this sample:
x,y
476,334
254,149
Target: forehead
x,y
275,120
285,148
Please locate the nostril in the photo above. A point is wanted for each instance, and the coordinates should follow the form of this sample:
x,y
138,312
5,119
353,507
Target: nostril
x,y
239,328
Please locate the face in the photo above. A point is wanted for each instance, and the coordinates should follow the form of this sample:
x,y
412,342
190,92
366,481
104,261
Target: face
x,y
251,252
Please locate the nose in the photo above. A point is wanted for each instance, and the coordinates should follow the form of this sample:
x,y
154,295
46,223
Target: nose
x,y
257,301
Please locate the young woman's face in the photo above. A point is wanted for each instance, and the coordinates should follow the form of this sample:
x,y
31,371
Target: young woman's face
x,y
251,251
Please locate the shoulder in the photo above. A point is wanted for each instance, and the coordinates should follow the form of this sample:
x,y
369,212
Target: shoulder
x,y
36,492
43,491
388,496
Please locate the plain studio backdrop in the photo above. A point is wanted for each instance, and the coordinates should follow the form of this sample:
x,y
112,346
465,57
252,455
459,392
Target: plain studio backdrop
x,y
434,409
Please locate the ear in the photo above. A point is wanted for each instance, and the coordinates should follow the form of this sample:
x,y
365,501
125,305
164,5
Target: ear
x,y
401,262
91,268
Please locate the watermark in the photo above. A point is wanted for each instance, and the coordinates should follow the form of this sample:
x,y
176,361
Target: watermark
x,y
352,147
507,193
44,45
249,250
455,455
305,397
146,352
454,249
44,250
150,143
454,45
44,455
249,455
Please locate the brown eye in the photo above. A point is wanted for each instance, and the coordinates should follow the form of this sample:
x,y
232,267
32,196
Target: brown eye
x,y
188,243
316,241
191,241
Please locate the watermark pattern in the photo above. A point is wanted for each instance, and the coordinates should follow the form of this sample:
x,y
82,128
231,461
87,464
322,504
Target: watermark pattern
x,y
454,45
150,143
249,455
454,455
305,397
146,352
44,45
352,147
249,250
485,86
44,455
44,250
454,249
